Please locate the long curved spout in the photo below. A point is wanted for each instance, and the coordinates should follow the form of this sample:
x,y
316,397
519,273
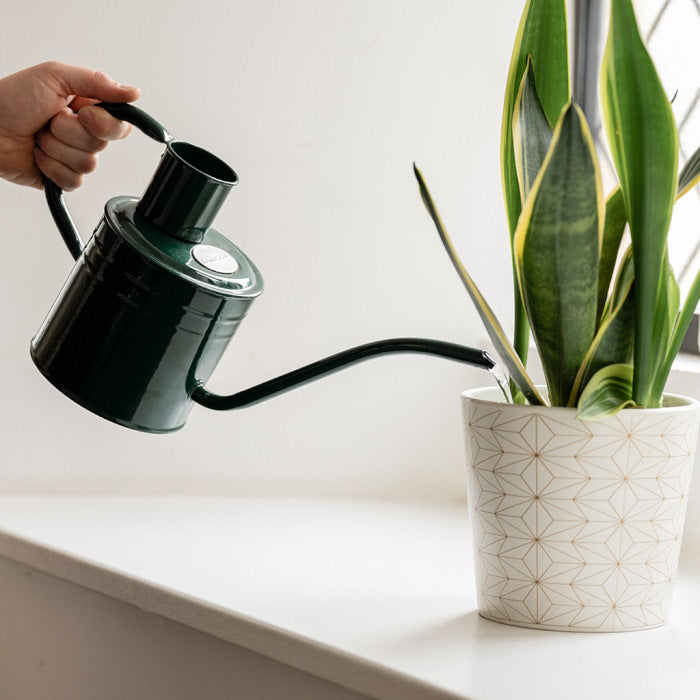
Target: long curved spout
x,y
321,368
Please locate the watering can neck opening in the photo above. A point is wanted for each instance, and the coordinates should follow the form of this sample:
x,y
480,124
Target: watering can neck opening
x,y
203,162
186,191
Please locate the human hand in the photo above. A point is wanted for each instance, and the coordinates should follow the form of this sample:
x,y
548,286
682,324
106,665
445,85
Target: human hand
x,y
47,123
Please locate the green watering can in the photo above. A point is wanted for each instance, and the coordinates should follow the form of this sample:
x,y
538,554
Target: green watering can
x,y
156,295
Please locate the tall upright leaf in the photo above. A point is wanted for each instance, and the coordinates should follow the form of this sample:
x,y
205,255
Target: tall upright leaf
x,y
515,368
557,252
624,279
644,145
616,220
542,34
615,223
614,339
665,315
532,132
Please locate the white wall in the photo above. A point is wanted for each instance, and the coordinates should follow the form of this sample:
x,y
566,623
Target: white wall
x,y
321,106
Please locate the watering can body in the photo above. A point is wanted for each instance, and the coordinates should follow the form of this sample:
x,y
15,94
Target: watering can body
x,y
129,337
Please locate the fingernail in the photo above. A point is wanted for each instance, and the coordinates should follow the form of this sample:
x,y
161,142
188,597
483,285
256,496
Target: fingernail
x,y
85,116
127,87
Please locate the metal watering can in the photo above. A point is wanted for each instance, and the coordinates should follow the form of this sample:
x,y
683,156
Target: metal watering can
x,y
156,295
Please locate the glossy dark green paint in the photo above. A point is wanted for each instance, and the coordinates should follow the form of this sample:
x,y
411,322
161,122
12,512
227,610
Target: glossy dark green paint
x,y
130,338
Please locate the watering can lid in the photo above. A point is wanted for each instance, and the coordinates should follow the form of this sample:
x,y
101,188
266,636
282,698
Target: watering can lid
x,y
213,263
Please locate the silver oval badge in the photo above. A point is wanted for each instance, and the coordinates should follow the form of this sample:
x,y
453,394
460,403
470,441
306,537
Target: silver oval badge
x,y
214,259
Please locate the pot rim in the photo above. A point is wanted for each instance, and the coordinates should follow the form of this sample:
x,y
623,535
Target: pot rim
x,y
492,395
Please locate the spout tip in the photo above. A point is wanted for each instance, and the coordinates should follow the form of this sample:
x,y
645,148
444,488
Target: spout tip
x,y
489,362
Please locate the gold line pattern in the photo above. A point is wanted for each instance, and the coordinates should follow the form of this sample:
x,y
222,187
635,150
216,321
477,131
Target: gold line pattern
x,y
577,526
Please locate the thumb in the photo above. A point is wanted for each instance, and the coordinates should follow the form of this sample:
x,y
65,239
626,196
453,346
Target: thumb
x,y
94,84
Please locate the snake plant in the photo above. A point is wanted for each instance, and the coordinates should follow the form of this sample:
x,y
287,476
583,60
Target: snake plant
x,y
607,323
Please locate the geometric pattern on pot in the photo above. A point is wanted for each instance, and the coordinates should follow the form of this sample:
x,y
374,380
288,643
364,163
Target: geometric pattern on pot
x,y
577,525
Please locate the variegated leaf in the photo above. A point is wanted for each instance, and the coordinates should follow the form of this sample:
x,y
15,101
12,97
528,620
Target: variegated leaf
x,y
644,144
608,391
494,329
557,253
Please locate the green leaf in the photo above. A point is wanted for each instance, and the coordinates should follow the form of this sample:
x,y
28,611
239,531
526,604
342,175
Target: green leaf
x,y
557,253
498,337
679,331
690,175
625,277
613,343
532,132
665,314
644,145
542,34
609,390
615,222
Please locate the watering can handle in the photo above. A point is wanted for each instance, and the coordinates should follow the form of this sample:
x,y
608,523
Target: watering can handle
x,y
54,194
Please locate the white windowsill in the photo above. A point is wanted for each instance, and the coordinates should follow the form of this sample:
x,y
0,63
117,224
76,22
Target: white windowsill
x,y
375,596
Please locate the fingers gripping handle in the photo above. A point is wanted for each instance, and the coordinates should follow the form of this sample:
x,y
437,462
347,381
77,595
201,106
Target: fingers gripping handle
x,y
54,195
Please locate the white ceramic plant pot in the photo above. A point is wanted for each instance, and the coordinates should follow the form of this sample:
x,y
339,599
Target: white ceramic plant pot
x,y
577,525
